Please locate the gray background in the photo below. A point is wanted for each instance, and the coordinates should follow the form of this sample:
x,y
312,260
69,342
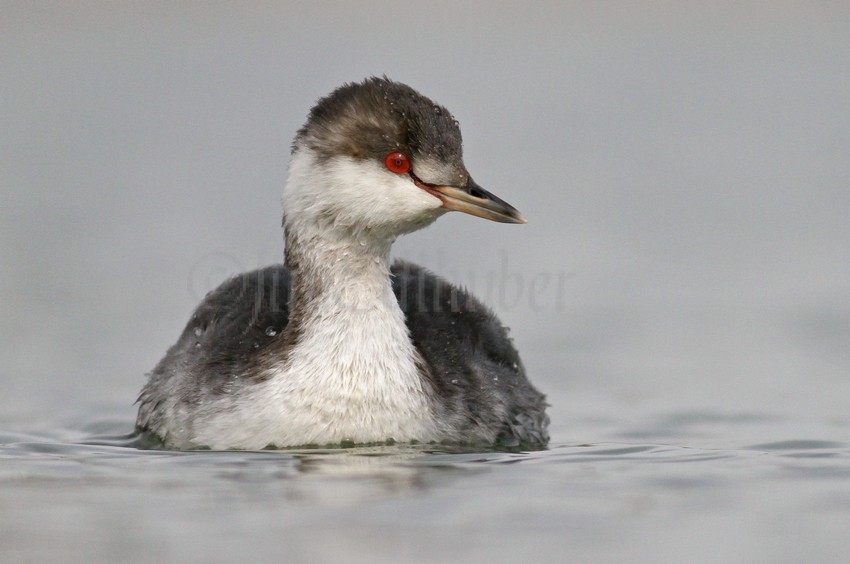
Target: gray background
x,y
683,166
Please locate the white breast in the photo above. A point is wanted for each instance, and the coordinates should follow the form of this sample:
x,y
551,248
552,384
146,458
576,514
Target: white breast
x,y
353,376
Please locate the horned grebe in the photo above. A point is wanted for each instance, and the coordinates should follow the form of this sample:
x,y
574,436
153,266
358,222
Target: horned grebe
x,y
338,345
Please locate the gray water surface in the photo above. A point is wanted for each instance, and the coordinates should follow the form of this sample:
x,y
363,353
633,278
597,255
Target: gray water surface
x,y
627,500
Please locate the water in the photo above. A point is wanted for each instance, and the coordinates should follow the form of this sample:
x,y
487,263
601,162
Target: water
x,y
95,499
680,291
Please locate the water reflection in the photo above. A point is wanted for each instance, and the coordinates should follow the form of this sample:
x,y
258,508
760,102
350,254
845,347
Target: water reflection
x,y
352,476
315,476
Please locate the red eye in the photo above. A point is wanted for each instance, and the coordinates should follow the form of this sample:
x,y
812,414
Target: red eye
x,y
397,162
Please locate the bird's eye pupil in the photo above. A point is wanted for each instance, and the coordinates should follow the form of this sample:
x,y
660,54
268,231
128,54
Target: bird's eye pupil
x,y
397,162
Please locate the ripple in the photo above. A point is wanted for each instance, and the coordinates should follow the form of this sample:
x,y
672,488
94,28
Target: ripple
x,y
798,444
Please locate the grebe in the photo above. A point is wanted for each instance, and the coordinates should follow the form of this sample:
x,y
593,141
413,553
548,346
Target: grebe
x,y
338,345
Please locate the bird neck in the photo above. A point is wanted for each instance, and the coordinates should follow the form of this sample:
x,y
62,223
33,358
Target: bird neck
x,y
346,276
345,324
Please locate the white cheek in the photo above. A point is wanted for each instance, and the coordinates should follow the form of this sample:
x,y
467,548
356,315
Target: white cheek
x,y
356,193
366,191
